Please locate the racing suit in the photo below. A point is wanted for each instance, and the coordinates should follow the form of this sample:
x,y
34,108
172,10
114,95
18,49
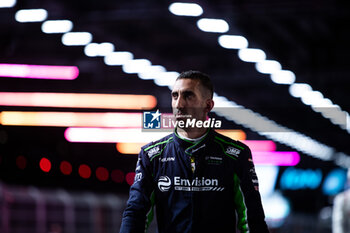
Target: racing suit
x,y
218,194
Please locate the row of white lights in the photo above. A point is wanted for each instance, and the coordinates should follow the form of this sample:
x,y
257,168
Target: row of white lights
x,y
304,91
146,71
142,67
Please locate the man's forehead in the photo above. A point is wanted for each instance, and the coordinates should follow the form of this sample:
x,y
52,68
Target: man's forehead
x,y
185,85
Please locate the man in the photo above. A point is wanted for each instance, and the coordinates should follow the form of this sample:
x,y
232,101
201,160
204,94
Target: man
x,y
199,180
341,210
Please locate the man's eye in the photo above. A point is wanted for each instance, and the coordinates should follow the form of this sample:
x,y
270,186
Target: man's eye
x,y
188,95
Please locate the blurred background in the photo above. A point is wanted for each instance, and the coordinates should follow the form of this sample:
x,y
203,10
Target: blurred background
x,y
76,76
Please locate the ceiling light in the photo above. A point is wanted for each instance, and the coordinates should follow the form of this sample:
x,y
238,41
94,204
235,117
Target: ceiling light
x,y
118,58
95,50
152,72
298,89
185,9
166,78
57,26
233,42
31,15
76,38
136,66
268,66
251,55
283,77
213,25
7,3
311,97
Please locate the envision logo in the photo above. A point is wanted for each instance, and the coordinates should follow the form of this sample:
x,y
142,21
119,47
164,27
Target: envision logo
x,y
197,184
164,183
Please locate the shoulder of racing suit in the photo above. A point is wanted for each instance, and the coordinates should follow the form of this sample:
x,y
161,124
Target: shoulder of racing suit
x,y
230,147
156,148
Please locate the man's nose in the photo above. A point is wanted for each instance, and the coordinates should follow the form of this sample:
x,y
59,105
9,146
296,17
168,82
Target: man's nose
x,y
180,102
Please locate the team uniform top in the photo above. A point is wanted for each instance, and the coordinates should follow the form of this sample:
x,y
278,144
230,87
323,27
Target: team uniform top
x,y
207,186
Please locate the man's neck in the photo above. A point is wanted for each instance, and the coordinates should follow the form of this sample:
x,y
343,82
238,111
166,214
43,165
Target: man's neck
x,y
191,133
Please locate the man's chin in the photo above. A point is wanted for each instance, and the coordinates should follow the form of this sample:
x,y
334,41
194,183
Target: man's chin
x,y
180,119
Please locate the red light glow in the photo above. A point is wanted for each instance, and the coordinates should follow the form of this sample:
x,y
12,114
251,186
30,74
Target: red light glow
x,y
130,178
45,165
102,174
117,176
84,171
66,168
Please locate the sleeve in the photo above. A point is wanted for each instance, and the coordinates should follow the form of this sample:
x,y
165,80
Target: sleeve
x,y
139,209
251,217
338,214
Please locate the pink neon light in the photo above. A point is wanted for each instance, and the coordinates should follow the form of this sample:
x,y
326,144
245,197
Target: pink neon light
x,y
39,71
111,135
78,100
66,119
260,145
278,158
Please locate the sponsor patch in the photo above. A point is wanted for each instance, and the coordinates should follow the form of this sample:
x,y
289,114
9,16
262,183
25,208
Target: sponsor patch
x,y
233,151
168,159
138,177
197,184
153,151
213,160
253,174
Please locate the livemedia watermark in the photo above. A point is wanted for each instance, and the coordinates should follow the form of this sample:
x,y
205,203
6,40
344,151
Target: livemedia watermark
x,y
166,121
155,121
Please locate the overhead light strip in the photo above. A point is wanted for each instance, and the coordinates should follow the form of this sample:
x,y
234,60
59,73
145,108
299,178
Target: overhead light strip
x,y
127,135
71,119
254,145
39,71
78,100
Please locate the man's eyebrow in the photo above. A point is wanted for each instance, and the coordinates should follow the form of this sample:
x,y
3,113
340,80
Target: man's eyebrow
x,y
184,92
187,92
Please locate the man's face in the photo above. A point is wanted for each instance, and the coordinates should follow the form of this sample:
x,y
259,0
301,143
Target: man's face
x,y
190,100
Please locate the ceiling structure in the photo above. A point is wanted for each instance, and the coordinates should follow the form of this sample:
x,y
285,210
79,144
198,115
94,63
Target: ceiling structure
x,y
307,37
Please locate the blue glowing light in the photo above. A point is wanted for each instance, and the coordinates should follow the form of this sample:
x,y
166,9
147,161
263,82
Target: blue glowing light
x,y
294,179
334,182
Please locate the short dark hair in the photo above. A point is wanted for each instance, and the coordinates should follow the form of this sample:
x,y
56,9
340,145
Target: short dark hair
x,y
203,78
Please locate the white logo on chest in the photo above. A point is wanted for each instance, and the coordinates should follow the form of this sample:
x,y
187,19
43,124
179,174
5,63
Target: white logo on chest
x,y
164,183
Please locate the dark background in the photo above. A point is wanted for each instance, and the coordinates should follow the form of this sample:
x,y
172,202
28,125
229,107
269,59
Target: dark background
x,y
309,37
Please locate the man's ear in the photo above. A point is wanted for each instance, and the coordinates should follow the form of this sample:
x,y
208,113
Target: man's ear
x,y
209,105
